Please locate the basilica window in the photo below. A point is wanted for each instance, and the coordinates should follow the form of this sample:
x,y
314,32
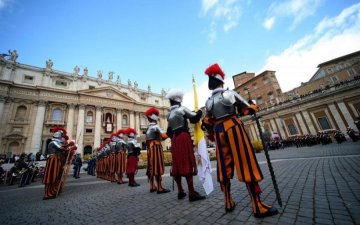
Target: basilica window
x,y
292,129
89,117
324,123
125,121
142,122
57,115
20,113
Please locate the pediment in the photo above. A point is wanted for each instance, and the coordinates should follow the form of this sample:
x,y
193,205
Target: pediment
x,y
107,92
15,136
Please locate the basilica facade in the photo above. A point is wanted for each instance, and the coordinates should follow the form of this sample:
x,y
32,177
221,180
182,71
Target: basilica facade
x,y
90,108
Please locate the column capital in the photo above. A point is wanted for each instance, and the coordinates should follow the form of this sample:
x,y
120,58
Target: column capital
x,y
71,105
98,107
81,106
42,103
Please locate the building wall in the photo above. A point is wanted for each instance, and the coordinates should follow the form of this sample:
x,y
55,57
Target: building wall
x,y
32,100
335,108
264,88
242,78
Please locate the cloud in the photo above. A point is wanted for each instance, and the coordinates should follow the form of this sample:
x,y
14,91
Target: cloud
x,y
268,23
332,38
223,13
297,9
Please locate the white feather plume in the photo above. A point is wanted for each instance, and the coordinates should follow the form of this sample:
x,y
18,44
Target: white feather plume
x,y
175,95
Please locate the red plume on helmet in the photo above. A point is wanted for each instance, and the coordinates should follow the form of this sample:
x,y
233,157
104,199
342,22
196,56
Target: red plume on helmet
x,y
121,131
215,71
130,130
55,129
151,111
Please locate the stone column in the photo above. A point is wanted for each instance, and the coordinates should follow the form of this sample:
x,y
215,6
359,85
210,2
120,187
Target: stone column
x,y
38,127
301,123
137,123
2,104
97,127
281,128
132,119
254,132
70,121
80,129
347,115
118,119
337,117
308,122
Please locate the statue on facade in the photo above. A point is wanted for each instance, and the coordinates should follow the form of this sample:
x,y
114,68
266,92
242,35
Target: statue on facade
x,y
76,71
118,80
111,74
149,89
163,92
86,71
49,64
99,74
136,86
129,83
13,55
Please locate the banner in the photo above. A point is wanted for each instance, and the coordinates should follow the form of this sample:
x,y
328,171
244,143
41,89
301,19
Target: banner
x,y
202,156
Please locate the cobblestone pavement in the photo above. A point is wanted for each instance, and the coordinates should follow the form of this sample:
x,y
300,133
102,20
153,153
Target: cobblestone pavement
x,y
318,185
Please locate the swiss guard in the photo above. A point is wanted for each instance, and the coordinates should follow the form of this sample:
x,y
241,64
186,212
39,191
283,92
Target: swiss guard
x,y
182,151
155,162
113,157
132,159
233,146
121,147
55,163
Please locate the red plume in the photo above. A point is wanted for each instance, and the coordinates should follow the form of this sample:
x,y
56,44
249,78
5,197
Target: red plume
x,y
130,130
55,129
121,131
213,70
151,111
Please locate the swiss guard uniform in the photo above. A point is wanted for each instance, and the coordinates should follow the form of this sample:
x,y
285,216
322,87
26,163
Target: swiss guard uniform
x,y
121,147
155,164
182,151
112,157
54,164
132,159
233,146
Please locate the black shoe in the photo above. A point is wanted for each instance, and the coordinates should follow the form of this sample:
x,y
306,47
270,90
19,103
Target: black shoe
x,y
230,209
134,185
153,190
181,195
163,191
271,212
47,198
196,197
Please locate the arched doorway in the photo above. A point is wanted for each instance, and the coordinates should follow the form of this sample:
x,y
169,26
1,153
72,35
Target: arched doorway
x,y
88,150
14,148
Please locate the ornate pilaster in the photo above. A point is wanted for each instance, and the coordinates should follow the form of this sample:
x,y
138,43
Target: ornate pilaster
x,y
80,129
308,122
301,123
97,126
347,115
132,119
118,119
137,123
38,127
70,121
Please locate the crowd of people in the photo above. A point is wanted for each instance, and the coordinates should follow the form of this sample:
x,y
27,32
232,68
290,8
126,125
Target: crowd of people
x,y
322,138
25,169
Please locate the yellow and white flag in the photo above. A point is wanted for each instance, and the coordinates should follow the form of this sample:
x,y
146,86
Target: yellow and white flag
x,y
202,157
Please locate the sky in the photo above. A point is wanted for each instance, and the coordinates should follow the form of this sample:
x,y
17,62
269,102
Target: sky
x,y
163,43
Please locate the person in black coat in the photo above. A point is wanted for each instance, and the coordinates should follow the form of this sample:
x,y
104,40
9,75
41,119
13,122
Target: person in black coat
x,y
77,166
